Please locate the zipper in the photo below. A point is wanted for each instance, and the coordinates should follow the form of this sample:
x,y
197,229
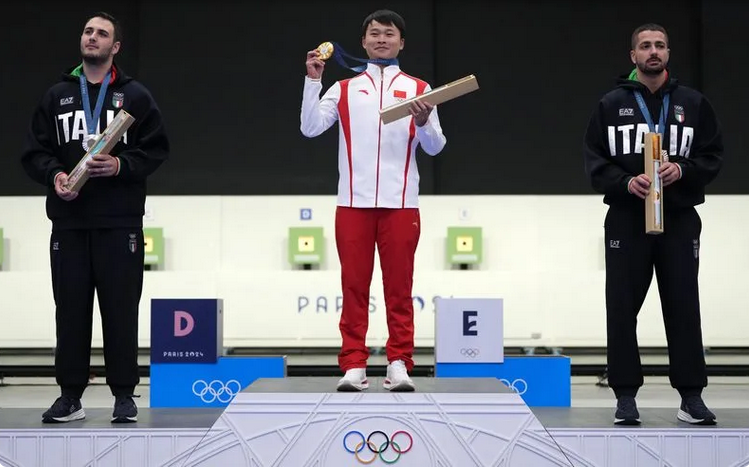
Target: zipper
x,y
379,139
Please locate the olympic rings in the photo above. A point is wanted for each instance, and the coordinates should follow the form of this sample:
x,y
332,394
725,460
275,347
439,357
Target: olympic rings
x,y
374,449
518,386
396,449
359,447
389,442
216,390
470,352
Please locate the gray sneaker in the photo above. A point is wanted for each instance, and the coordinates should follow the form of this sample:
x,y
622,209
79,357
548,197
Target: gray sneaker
x,y
626,411
125,410
694,411
64,410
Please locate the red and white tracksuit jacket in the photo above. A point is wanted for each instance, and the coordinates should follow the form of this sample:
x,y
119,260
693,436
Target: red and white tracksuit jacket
x,y
376,161
378,199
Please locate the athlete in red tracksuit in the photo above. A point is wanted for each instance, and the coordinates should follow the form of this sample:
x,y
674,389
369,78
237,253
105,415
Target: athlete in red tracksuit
x,y
378,192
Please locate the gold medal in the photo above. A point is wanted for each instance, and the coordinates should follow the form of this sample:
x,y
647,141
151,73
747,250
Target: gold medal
x,y
325,50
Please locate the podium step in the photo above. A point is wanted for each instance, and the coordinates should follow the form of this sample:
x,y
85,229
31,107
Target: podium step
x,y
445,422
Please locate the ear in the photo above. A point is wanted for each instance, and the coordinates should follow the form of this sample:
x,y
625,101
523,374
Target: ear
x,y
116,47
632,56
362,42
403,43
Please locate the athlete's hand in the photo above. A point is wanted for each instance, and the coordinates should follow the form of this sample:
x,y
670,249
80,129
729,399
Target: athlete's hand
x,y
669,173
315,65
420,111
639,186
102,165
61,181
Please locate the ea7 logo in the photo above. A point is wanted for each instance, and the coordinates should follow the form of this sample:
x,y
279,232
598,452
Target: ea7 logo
x,y
613,243
66,101
626,112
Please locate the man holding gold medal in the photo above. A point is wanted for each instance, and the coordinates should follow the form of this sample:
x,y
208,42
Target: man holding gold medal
x,y
378,189
97,231
614,151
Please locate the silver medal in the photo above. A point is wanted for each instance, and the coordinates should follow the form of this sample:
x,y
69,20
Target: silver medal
x,y
88,142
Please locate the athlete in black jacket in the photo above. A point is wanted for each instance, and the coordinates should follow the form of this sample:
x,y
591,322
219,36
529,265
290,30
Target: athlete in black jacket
x,y
97,236
613,151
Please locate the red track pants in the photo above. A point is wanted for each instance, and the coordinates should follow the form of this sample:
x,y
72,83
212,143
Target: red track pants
x,y
396,233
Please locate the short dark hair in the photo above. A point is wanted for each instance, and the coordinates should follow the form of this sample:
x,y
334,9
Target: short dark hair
x,y
386,17
648,27
111,19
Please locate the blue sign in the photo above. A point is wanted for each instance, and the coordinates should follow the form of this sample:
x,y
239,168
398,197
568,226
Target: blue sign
x,y
209,385
305,214
186,330
539,380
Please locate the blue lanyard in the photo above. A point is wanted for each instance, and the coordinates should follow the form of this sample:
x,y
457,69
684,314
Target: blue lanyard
x,y
92,119
662,116
340,56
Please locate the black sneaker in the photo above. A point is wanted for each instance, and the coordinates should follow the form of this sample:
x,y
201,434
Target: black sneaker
x,y
125,410
694,411
626,411
63,410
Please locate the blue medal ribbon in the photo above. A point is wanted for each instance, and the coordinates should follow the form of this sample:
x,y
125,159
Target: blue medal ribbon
x,y
341,55
93,118
662,116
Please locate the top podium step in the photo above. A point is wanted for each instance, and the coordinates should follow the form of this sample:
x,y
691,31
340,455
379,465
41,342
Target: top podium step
x,y
423,385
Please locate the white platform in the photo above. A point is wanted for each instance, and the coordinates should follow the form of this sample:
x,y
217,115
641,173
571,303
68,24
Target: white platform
x,y
452,422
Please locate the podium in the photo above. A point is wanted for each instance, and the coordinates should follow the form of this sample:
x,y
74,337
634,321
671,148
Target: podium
x,y
303,422
188,366
469,343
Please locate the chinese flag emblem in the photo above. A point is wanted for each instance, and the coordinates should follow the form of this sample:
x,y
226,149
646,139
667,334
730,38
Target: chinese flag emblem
x,y
399,94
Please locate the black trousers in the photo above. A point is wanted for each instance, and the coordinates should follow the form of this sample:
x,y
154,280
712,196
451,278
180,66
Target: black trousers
x,y
109,261
631,255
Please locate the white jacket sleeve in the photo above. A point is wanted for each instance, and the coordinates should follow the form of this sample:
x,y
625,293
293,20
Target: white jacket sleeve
x,y
318,114
430,135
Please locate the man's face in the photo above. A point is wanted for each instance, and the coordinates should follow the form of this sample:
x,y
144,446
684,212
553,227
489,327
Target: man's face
x,y
382,41
651,52
97,41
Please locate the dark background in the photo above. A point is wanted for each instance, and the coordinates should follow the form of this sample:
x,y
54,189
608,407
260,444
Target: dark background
x,y
228,76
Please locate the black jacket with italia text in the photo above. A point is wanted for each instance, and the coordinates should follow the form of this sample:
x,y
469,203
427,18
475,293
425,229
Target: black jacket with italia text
x,y
614,142
54,144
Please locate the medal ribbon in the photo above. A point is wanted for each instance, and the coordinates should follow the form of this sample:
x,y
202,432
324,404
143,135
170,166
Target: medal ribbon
x,y
341,55
93,119
663,115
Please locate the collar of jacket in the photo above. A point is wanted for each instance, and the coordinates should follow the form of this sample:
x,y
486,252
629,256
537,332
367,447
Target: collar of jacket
x,y
76,72
375,71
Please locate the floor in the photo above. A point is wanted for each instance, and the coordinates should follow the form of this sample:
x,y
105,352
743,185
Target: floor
x,y
723,392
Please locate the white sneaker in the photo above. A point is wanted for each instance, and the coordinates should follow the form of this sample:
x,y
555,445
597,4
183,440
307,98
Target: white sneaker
x,y
397,379
355,380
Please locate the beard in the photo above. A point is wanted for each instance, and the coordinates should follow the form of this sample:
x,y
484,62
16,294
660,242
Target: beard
x,y
652,70
95,57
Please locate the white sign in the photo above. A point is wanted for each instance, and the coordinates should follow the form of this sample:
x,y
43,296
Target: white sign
x,y
468,331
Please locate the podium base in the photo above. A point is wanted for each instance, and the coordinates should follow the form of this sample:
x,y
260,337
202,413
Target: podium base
x,y
301,421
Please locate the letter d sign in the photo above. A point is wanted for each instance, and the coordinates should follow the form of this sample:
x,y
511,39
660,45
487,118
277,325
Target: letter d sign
x,y
189,323
469,326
